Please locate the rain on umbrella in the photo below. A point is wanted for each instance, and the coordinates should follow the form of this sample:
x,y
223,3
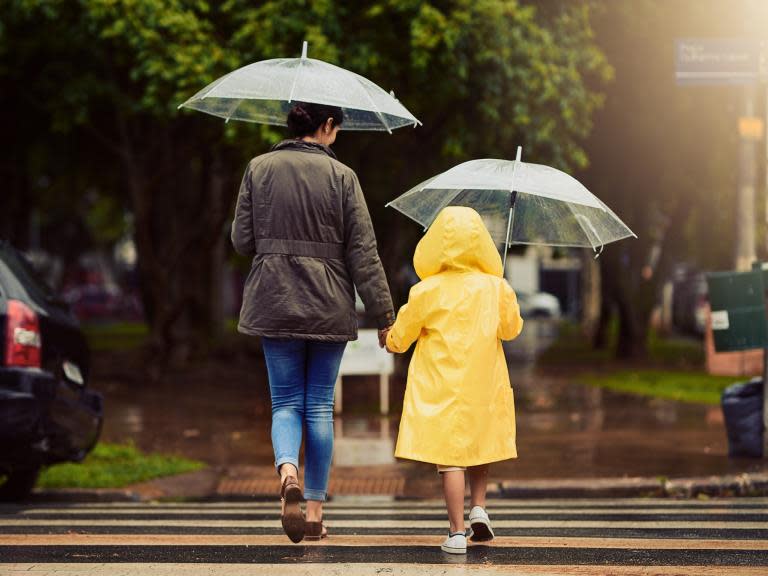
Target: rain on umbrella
x,y
264,92
521,203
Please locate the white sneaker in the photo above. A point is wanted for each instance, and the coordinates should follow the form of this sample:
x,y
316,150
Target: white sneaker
x,y
480,525
456,543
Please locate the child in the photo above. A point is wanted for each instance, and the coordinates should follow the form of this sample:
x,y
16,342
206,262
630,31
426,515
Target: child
x,y
458,410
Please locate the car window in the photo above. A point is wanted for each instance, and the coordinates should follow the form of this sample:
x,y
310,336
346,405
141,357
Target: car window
x,y
19,271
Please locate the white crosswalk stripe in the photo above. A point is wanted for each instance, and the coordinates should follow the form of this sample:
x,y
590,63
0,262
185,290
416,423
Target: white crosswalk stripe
x,y
719,536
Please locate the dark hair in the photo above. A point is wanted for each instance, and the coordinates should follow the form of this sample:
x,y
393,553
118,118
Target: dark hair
x,y
305,118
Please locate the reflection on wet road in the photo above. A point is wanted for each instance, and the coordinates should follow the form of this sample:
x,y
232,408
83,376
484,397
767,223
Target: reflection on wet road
x,y
565,429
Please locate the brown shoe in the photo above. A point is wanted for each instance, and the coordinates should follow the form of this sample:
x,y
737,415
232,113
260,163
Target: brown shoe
x,y
292,517
315,531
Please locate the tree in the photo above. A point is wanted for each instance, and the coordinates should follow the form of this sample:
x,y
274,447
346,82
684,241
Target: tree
x,y
663,158
111,76
484,76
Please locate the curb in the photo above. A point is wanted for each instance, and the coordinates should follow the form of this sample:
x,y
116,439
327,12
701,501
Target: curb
x,y
746,484
201,486
77,495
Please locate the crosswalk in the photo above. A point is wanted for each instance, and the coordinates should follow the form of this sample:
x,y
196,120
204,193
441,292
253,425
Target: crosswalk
x,y
377,536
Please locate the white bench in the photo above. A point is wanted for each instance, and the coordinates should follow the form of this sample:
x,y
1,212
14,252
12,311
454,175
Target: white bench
x,y
364,357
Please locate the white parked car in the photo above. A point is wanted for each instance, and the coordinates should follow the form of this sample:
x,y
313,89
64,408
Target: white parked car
x,y
538,305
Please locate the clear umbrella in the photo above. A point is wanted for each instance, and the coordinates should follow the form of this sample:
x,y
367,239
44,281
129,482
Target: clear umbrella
x,y
520,203
264,91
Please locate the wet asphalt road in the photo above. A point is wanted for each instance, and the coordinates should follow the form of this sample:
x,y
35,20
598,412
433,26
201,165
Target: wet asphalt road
x,y
374,536
220,414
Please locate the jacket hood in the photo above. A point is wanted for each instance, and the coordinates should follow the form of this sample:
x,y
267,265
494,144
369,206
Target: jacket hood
x,y
457,240
303,146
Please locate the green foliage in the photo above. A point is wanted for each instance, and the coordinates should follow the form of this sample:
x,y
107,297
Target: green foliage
x,y
115,335
572,349
495,72
695,387
115,466
483,75
487,76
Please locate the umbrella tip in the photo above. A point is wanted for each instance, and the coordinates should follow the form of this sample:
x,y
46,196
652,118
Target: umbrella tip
x,y
304,49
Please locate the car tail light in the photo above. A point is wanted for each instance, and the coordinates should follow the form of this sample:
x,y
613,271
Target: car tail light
x,y
22,336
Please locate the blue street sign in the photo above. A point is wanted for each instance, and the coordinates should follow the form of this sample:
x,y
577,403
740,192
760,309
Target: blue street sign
x,y
720,60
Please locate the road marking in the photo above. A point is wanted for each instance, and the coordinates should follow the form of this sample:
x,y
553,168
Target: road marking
x,y
388,502
574,537
375,523
372,540
416,554
336,511
369,569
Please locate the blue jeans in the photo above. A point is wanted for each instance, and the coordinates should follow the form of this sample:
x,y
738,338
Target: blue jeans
x,y
302,378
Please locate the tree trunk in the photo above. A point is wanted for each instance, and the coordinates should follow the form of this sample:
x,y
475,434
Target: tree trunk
x,y
608,273
591,301
17,200
633,330
179,215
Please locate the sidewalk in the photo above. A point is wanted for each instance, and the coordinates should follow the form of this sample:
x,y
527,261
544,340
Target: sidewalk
x,y
411,482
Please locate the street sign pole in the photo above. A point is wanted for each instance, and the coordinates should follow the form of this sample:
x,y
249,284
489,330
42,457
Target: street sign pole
x,y
745,205
763,76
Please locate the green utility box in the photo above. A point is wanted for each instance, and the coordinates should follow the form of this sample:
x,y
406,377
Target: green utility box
x,y
737,300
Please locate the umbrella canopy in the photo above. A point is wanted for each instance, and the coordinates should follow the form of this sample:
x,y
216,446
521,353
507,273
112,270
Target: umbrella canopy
x,y
521,203
263,92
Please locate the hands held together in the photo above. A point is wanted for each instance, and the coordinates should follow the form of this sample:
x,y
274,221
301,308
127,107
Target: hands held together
x,y
383,337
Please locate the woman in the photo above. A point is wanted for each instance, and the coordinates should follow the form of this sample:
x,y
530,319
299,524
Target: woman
x,y
302,216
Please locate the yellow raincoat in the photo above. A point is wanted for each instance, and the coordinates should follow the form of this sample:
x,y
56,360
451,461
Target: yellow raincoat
x,y
458,408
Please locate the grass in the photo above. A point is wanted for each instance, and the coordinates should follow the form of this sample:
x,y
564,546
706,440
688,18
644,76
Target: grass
x,y
120,336
695,387
670,350
673,370
115,466
115,335
571,348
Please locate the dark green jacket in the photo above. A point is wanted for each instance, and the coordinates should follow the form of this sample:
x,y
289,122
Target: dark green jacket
x,y
302,216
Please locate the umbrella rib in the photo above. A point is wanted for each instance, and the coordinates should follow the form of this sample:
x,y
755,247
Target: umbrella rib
x,y
298,70
375,108
592,228
404,213
451,198
232,111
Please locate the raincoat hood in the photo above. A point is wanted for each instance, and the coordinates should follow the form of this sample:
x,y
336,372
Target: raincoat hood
x,y
457,240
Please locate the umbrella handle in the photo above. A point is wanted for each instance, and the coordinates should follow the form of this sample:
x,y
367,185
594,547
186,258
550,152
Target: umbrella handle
x,y
509,229
511,206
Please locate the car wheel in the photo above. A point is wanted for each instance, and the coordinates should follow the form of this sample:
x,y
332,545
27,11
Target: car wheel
x,y
17,484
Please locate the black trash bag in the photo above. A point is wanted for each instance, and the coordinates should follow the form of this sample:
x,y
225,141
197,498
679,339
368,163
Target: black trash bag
x,y
743,412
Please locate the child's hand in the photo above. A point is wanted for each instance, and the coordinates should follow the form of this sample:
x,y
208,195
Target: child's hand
x,y
383,337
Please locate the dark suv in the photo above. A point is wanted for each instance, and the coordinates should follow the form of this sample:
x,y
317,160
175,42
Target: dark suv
x,y
47,413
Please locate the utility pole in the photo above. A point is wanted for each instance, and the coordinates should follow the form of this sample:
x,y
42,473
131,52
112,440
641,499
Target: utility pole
x,y
763,75
745,204
763,134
